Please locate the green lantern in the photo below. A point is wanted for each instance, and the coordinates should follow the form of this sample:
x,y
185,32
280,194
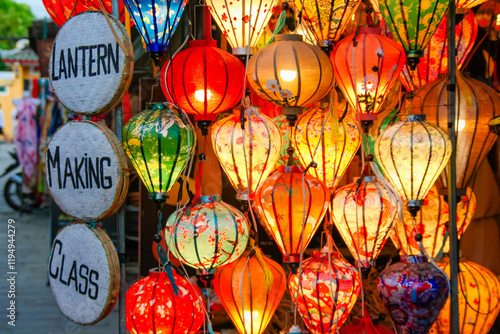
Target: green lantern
x,y
412,23
159,145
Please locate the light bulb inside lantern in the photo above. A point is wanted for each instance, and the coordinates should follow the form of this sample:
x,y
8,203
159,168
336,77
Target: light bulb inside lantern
x,y
461,125
249,317
288,75
200,95
498,20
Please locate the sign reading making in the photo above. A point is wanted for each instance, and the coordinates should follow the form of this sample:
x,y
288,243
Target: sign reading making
x,y
89,71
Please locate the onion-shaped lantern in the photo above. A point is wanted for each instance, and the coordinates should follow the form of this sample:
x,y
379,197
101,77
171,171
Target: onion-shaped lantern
x,y
247,155
326,291
414,291
435,59
364,214
477,103
208,234
156,21
60,10
431,223
155,304
412,23
159,145
290,73
331,151
367,65
250,289
291,206
478,299
412,153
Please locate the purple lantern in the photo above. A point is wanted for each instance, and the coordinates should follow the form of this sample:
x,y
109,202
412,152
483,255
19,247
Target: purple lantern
x,y
414,291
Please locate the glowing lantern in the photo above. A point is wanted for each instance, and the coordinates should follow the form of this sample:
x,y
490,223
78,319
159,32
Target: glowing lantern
x,y
364,214
247,155
326,291
60,10
208,234
477,103
435,59
412,154
156,21
284,201
431,223
412,23
488,15
468,3
366,66
290,73
155,304
159,145
334,151
250,289
478,299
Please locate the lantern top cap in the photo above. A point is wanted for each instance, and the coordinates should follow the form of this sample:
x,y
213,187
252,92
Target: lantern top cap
x,y
290,169
323,253
197,43
157,273
369,30
156,106
210,198
414,118
413,259
289,37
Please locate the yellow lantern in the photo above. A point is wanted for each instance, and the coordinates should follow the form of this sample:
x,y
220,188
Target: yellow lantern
x,y
412,153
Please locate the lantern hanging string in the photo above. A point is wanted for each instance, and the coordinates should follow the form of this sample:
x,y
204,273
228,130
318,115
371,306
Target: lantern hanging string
x,y
118,40
73,10
247,56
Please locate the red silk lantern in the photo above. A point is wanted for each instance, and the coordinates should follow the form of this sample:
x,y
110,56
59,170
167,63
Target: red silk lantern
x,y
154,305
366,66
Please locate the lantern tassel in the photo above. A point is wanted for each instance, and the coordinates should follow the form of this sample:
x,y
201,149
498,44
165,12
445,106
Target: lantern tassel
x,y
170,275
279,26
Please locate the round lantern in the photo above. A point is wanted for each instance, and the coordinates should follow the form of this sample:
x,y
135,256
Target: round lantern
x,y
208,234
157,304
159,145
414,291
290,73
478,299
434,62
366,66
247,155
412,153
365,213
412,23
292,206
331,151
477,103
431,223
250,289
326,291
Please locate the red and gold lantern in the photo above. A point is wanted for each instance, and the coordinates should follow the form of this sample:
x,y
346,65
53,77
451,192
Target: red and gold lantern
x,y
60,11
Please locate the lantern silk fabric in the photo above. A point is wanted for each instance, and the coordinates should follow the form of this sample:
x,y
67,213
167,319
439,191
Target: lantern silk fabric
x,y
60,10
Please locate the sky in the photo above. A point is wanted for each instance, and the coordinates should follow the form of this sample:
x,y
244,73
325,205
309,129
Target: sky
x,y
37,8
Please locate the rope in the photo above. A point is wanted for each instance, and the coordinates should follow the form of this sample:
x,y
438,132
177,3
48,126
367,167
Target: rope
x,y
118,40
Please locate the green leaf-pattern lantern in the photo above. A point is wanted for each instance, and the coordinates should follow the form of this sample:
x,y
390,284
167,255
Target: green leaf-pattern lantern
x,y
413,22
159,145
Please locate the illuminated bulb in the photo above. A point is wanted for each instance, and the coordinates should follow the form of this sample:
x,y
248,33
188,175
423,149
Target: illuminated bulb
x,y
498,20
288,75
251,315
461,124
200,95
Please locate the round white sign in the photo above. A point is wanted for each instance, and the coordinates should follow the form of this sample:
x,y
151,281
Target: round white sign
x,y
89,71
86,171
84,273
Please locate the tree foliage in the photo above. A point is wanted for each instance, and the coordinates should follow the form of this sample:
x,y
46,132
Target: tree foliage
x,y
15,19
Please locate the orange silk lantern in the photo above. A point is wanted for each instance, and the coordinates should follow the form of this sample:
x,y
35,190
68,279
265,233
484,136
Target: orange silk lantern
x,y
250,289
366,66
286,201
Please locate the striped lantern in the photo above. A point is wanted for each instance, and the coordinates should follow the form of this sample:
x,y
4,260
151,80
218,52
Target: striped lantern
x,y
468,3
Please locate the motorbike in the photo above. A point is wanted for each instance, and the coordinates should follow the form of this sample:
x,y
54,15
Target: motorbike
x,y
13,189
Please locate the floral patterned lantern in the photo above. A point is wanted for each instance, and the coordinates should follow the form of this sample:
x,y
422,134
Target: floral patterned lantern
x,y
247,155
335,151
60,10
208,234
365,213
326,291
290,73
366,66
284,201
159,145
478,299
160,303
412,23
250,289
414,291
412,154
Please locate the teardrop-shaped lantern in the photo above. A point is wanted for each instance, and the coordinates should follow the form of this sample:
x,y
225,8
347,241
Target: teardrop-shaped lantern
x,y
435,59
159,145
364,214
287,200
247,155
412,153
250,289
326,291
478,299
208,234
332,152
412,23
366,66
156,305
414,291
